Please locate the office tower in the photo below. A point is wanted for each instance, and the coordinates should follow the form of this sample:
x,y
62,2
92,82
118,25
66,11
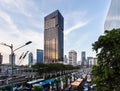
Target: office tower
x,y
12,59
30,59
113,16
39,56
1,58
53,37
72,57
65,59
83,58
88,60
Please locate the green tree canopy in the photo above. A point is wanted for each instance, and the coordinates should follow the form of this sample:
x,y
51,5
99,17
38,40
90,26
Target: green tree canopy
x,y
107,72
52,67
38,88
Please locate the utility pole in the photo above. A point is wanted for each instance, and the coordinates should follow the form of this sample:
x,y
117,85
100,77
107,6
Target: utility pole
x,y
12,53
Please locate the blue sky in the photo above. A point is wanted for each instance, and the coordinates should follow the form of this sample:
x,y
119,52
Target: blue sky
x,y
23,20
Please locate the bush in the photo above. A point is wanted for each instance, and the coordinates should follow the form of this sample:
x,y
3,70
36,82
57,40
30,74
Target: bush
x,y
38,88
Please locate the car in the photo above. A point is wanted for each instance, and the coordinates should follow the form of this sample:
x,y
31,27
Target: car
x,y
92,86
85,89
85,85
88,78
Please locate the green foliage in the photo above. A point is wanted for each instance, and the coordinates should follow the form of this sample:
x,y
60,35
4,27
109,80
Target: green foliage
x,y
52,67
38,88
107,72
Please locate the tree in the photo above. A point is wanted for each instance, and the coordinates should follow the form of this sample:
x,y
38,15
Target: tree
x,y
40,67
38,88
107,72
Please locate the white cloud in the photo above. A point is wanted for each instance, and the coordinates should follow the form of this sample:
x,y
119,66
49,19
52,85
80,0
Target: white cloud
x,y
11,34
4,16
73,21
74,17
19,6
76,26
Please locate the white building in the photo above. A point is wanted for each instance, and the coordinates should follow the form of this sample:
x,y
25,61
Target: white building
x,y
113,17
30,59
93,61
73,58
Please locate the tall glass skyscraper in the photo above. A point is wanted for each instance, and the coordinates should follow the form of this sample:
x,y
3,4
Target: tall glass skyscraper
x,y
53,37
39,56
113,16
83,58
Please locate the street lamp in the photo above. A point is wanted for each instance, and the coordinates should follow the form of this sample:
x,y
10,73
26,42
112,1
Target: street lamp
x,y
13,50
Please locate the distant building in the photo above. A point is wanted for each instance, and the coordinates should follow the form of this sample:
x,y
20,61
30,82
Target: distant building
x,y
73,58
92,61
83,58
1,58
95,61
53,37
89,61
113,16
79,62
39,56
6,69
30,59
12,61
65,59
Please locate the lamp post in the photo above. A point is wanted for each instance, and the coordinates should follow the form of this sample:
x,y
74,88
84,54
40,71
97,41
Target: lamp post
x,y
13,50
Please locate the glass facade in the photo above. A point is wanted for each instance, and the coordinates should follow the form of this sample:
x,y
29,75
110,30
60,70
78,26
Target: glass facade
x,y
83,58
39,56
113,16
53,37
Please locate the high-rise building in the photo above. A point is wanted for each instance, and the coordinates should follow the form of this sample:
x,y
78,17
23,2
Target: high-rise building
x,y
89,59
30,59
83,58
65,59
73,57
113,16
1,58
53,37
39,56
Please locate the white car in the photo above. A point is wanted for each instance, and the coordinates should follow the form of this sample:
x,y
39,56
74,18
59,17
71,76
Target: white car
x,y
92,86
88,78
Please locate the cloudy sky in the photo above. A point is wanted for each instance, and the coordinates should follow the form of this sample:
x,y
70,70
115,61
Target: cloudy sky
x,y
23,20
